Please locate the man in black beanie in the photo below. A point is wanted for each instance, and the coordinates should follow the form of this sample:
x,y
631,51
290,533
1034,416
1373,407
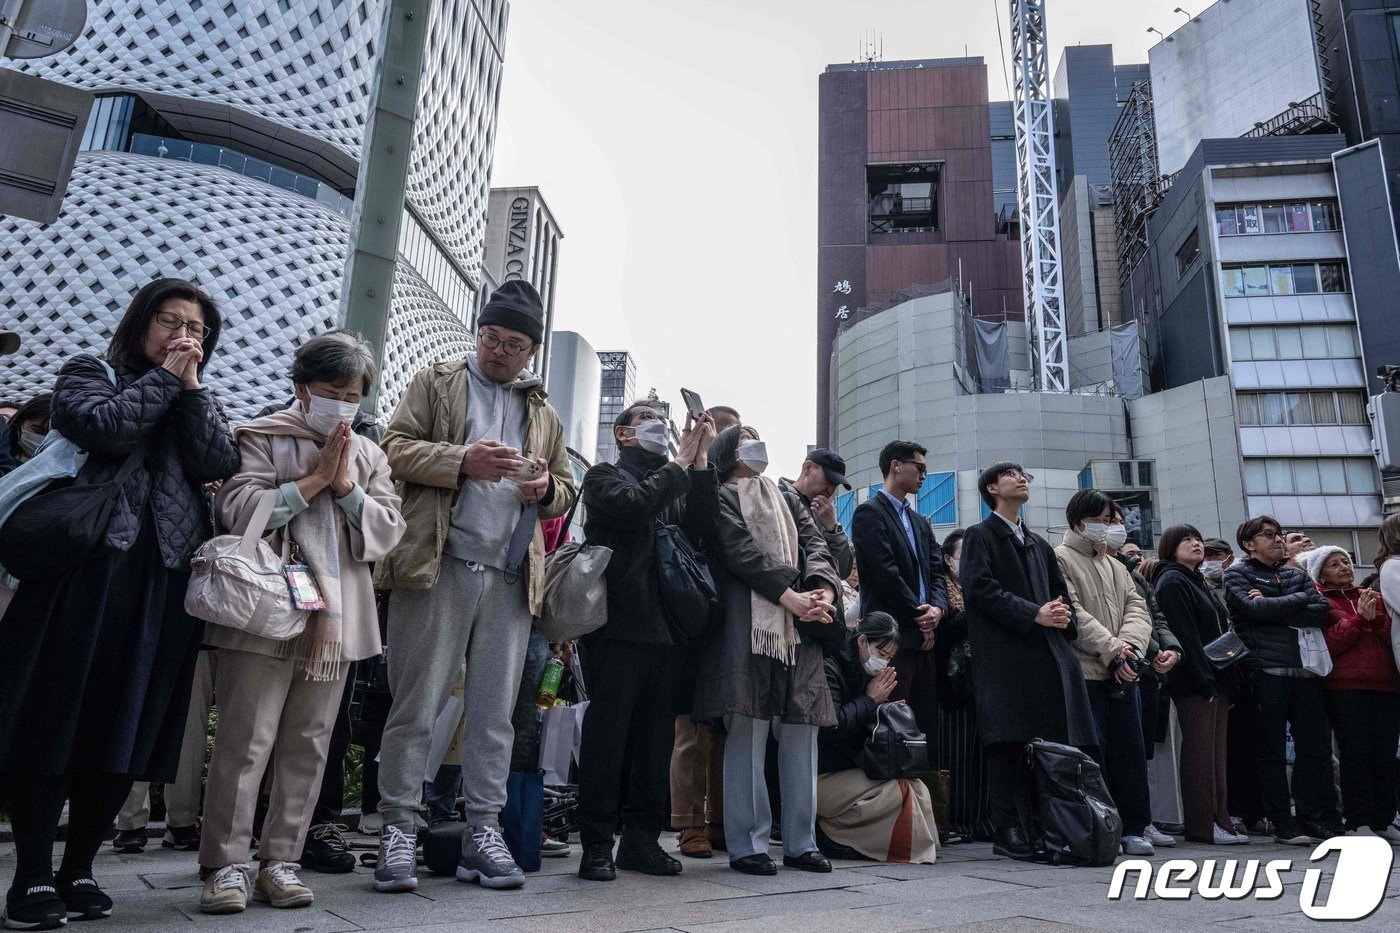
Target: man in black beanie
x,y
468,576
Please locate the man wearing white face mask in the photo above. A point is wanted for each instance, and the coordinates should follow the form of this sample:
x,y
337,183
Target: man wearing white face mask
x,y
631,662
1114,629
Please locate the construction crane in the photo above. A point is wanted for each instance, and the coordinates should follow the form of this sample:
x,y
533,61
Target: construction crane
x,y
1037,198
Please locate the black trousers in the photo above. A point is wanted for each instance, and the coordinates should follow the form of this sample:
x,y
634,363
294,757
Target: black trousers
x,y
1120,753
1368,729
1295,702
1008,786
628,733
331,802
1242,756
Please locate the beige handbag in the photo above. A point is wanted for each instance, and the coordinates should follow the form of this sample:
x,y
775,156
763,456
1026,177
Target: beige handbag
x,y
238,581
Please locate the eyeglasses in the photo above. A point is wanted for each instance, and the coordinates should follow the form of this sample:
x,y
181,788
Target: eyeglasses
x,y
490,341
1270,535
174,323
921,467
1018,474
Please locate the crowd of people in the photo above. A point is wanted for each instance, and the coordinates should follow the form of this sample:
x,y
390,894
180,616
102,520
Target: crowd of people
x,y
1215,688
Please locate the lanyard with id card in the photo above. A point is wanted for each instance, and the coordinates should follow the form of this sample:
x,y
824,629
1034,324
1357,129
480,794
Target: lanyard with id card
x,y
306,595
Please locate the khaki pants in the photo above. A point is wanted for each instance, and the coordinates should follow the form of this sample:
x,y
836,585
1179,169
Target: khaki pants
x,y
269,713
182,797
697,775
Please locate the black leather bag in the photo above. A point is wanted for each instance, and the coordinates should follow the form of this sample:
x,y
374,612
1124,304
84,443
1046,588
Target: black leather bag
x,y
1226,650
896,748
53,532
688,592
1078,822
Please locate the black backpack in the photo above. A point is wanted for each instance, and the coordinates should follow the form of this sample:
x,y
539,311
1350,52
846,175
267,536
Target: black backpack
x,y
1078,821
896,748
689,596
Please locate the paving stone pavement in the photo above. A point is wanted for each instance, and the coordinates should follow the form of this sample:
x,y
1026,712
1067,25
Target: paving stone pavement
x,y
968,890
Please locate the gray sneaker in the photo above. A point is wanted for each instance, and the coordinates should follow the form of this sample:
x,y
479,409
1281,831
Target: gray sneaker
x,y
485,859
398,861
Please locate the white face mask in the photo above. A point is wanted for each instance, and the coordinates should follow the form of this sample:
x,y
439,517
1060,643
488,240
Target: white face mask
x,y
953,565
1116,537
325,413
651,436
874,665
29,441
1213,568
754,455
1095,532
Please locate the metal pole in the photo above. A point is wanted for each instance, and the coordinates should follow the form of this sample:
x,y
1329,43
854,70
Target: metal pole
x,y
368,286
9,16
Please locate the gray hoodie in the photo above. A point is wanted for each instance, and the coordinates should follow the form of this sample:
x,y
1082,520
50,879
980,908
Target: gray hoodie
x,y
486,513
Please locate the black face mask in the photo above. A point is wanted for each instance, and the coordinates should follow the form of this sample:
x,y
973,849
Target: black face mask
x,y
1131,561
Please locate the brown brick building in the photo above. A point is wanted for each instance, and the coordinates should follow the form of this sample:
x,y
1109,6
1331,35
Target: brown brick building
x,y
905,194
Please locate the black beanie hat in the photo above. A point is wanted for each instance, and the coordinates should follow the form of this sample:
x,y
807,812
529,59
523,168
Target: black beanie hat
x,y
516,305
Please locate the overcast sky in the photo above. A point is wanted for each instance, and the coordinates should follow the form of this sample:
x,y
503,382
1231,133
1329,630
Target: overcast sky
x,y
676,143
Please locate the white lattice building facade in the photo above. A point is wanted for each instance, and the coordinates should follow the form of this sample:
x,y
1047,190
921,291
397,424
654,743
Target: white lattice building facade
x,y
224,148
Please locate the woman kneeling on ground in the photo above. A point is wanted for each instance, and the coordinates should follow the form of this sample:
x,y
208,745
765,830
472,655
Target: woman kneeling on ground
x,y
888,821
330,494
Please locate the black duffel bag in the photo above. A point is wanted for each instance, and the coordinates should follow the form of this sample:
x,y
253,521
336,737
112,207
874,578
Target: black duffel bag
x,y
54,531
1078,821
896,748
688,593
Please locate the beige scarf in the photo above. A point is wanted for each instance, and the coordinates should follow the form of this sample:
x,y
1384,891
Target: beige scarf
x,y
770,524
316,533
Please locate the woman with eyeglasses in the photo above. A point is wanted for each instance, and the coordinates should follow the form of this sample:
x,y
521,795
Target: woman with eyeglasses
x,y
97,664
859,818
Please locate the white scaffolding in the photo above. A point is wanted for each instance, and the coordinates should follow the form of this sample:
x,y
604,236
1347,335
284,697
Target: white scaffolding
x,y
1038,200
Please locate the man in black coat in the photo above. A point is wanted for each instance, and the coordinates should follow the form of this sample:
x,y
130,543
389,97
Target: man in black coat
x,y
629,662
901,572
1269,601
1027,681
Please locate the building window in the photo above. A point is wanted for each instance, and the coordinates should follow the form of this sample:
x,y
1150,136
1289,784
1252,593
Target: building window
x,y
1285,217
1293,342
1188,253
1297,278
1325,476
1269,409
902,198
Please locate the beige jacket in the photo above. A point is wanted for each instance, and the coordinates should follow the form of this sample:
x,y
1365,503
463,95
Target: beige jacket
x,y
381,527
425,444
1108,606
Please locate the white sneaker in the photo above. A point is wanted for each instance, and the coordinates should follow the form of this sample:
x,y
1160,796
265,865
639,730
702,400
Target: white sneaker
x,y
226,891
371,824
1222,838
279,886
1391,834
1137,845
1157,837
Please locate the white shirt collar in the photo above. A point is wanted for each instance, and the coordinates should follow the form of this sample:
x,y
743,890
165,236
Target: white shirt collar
x,y
1016,526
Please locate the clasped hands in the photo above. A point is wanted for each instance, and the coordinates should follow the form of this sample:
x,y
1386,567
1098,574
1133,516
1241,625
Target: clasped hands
x,y
818,605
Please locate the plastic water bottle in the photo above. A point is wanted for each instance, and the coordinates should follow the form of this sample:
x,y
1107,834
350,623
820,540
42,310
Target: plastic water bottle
x,y
549,683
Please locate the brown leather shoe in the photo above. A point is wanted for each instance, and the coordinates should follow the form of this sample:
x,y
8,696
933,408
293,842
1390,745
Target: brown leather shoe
x,y
695,842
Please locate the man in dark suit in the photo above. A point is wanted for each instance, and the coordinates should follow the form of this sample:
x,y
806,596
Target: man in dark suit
x,y
1027,681
901,572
